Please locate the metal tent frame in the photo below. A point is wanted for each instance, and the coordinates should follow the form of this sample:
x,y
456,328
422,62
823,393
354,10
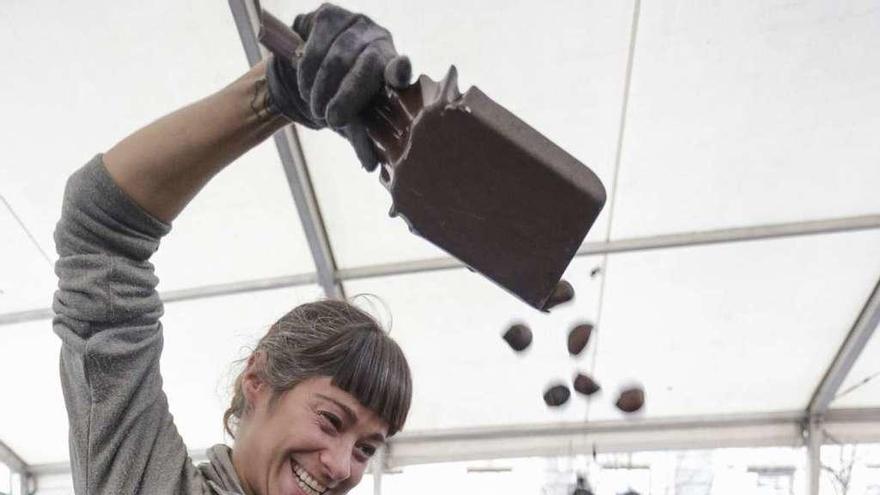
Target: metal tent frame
x,y
793,428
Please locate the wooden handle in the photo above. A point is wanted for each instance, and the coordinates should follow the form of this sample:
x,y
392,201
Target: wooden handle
x,y
278,37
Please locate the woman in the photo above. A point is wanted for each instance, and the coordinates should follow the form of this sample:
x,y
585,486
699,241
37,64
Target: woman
x,y
322,391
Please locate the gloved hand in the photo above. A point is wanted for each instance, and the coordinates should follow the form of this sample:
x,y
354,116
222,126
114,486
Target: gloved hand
x,y
346,61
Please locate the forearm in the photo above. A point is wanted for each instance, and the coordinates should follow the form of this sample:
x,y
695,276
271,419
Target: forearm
x,y
165,164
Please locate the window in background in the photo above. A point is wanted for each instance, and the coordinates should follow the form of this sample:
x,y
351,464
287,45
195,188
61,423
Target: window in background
x,y
764,471
774,480
694,472
10,483
872,476
614,480
5,479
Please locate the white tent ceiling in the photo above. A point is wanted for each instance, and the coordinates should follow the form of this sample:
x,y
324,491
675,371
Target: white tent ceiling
x,y
738,114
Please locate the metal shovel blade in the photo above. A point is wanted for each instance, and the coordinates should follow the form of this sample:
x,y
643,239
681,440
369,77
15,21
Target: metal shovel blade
x,y
478,182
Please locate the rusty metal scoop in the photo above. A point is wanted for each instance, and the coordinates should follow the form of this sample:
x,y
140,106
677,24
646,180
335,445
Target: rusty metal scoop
x,y
473,179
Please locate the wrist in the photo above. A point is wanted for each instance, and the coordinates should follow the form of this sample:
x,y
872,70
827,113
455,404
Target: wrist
x,y
252,91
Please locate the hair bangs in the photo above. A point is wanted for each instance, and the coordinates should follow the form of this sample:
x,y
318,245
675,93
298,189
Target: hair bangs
x,y
376,373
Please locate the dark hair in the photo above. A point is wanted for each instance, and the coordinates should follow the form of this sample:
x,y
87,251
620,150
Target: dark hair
x,y
335,339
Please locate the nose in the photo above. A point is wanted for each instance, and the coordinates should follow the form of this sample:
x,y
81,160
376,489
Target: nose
x,y
337,463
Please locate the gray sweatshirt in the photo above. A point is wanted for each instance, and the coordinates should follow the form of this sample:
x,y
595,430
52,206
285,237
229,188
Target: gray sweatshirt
x,y
122,436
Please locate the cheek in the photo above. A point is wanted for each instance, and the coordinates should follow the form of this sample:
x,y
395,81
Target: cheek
x,y
357,472
303,436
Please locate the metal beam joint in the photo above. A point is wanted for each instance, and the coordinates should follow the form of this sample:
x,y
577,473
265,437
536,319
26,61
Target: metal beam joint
x,y
856,340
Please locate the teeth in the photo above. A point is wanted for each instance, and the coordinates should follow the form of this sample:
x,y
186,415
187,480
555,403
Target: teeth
x,y
306,488
309,484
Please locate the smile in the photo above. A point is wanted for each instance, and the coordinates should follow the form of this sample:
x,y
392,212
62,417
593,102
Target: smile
x,y
305,481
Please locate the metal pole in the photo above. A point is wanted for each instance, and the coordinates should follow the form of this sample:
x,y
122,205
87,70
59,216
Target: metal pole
x,y
295,168
17,465
11,459
737,234
667,241
780,429
378,469
813,434
201,292
847,355
25,483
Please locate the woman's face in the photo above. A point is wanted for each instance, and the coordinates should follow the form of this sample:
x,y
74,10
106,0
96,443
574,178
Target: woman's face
x,y
316,439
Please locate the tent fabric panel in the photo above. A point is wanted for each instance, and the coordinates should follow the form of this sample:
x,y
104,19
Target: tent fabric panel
x,y
740,328
27,279
747,113
75,92
33,421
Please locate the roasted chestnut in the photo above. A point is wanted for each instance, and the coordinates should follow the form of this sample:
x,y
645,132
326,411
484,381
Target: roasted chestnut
x,y
583,384
562,293
518,336
556,395
631,399
578,338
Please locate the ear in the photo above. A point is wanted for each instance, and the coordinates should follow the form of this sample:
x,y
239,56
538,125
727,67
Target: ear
x,y
256,390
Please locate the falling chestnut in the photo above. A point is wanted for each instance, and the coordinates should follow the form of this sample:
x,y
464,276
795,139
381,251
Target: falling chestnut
x,y
631,399
518,336
556,395
563,293
578,338
585,385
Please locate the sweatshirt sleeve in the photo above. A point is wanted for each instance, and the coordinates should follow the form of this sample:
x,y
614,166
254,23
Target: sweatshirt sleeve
x,y
122,436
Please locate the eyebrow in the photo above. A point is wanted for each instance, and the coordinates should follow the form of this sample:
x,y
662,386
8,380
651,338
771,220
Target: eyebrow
x,y
352,417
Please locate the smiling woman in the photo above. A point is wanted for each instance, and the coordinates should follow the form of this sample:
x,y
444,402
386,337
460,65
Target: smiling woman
x,y
320,394
316,438
324,388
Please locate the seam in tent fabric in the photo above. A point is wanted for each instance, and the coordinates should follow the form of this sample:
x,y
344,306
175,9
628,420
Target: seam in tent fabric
x,y
26,230
634,29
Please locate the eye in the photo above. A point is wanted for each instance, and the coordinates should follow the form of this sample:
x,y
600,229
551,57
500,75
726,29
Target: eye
x,y
332,419
367,450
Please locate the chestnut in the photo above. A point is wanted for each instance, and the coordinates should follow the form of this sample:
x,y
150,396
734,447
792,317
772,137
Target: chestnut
x,y
518,336
556,395
631,399
562,293
585,385
578,338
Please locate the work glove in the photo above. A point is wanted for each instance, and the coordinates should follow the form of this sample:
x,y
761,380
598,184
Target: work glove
x,y
347,60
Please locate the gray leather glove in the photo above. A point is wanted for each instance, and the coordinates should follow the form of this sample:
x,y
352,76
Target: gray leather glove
x,y
346,61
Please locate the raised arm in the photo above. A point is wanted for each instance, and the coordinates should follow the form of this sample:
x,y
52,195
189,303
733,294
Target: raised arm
x,y
118,206
346,61
162,166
